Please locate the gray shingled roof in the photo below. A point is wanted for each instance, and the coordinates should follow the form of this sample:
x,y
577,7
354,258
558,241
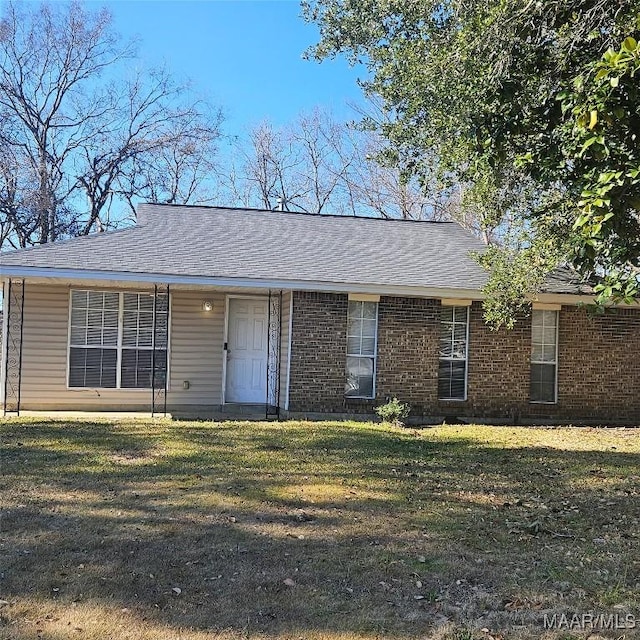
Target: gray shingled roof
x,y
256,244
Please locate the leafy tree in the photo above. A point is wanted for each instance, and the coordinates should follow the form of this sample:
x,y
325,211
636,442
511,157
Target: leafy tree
x,y
531,107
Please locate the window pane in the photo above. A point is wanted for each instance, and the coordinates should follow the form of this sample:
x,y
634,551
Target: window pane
x,y
369,310
451,379
446,314
145,303
536,334
369,328
131,302
550,318
548,353
549,335
137,365
78,315
130,319
446,347
129,337
79,299
355,309
459,350
92,367
359,377
354,326
79,335
543,383
368,346
145,338
110,337
138,320
136,369
94,335
536,352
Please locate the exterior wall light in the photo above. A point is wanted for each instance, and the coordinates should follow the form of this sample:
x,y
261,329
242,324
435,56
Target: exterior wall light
x,y
207,305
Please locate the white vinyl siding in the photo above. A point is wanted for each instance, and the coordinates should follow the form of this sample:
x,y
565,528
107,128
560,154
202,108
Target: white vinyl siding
x,y
362,336
116,340
544,356
454,338
195,354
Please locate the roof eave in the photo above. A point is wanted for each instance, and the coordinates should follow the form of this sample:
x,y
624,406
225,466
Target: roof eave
x,y
9,271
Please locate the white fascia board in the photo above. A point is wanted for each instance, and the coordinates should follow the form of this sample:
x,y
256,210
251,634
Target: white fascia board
x,y
253,283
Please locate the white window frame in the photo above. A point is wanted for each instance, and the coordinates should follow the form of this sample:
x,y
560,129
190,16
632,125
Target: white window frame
x,y
456,308
555,360
119,346
373,357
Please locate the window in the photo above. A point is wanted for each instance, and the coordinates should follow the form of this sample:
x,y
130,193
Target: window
x,y
362,333
111,339
544,355
452,370
93,353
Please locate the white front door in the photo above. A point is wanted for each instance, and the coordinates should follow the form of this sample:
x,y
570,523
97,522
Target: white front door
x,y
247,327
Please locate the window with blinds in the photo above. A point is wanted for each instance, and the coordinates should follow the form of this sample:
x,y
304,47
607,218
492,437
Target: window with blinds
x,y
362,333
139,348
116,340
544,356
452,369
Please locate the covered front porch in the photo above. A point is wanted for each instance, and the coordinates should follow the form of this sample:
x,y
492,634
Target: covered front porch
x,y
153,349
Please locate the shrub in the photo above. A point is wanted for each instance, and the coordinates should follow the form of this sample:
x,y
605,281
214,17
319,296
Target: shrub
x,y
394,412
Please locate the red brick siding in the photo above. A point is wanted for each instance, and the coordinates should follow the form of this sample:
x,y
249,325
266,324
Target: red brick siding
x,y
318,352
408,344
498,377
598,363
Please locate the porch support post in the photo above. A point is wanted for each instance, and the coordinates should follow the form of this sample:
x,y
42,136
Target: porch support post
x,y
160,344
273,354
14,308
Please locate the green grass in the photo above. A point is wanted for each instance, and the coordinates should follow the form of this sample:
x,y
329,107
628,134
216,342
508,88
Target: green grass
x,y
190,530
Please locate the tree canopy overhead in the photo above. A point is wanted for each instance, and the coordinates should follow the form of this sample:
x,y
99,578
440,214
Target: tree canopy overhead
x,y
533,107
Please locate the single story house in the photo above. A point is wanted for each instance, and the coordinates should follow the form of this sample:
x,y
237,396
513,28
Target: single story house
x,y
206,311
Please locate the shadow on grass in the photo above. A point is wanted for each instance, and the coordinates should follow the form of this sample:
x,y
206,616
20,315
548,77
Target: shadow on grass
x,y
267,528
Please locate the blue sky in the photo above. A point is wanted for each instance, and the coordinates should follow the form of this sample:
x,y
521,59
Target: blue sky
x,y
245,55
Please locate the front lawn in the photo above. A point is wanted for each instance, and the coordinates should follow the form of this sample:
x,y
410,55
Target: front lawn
x,y
184,530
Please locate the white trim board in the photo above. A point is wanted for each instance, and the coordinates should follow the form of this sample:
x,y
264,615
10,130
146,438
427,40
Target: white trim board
x,y
255,283
433,292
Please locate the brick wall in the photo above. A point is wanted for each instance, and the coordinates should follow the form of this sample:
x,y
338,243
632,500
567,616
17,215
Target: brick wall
x,y
598,363
318,352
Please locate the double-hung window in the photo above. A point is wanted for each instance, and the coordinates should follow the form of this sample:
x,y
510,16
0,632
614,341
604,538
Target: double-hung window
x,y
116,340
362,335
544,356
452,370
